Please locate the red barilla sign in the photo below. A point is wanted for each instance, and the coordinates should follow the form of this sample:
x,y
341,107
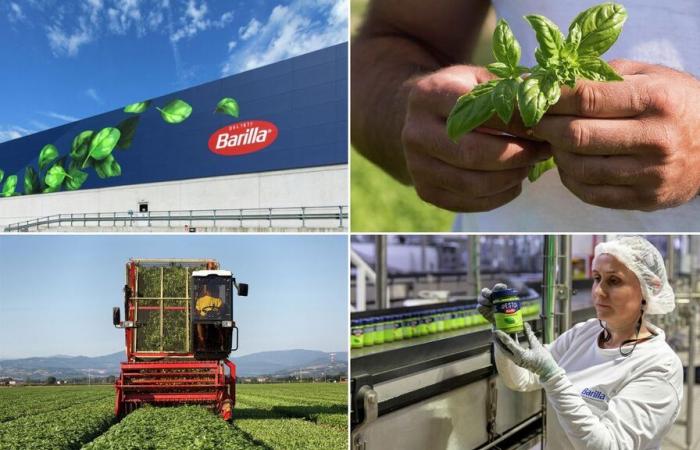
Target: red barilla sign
x,y
243,137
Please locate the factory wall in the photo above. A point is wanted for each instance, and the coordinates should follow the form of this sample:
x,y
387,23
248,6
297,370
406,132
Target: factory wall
x,y
292,116
288,188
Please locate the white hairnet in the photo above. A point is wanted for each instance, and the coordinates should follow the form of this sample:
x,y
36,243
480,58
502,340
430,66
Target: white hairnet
x,y
642,258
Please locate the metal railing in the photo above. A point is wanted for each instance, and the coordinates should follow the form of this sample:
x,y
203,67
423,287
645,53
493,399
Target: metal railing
x,y
293,217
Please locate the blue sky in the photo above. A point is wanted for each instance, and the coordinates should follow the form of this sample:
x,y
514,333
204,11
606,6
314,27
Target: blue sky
x,y
67,60
57,292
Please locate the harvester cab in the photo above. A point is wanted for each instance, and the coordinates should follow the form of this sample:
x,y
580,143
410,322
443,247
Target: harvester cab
x,y
179,331
212,313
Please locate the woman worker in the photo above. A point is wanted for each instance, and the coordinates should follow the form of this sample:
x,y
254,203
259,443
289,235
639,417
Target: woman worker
x,y
610,382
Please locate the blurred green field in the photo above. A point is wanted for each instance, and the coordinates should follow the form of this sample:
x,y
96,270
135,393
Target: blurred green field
x,y
378,202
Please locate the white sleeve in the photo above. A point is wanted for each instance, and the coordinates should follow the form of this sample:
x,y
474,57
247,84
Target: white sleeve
x,y
638,414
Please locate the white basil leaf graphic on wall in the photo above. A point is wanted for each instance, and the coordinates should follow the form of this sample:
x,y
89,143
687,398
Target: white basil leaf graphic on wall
x,y
175,111
229,106
137,108
47,155
8,189
31,181
102,144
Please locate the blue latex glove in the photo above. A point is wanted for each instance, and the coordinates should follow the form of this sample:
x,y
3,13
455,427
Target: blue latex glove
x,y
536,359
485,306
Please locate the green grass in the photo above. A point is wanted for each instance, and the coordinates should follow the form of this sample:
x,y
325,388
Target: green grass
x,y
378,202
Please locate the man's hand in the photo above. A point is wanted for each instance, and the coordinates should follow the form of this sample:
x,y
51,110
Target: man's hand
x,y
484,170
631,144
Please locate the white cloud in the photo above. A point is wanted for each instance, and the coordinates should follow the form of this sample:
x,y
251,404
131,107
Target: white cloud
x,y
249,30
8,133
124,15
300,27
68,44
192,22
232,45
59,116
16,14
92,93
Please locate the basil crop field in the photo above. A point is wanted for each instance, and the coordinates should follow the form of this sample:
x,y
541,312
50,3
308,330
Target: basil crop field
x,y
266,416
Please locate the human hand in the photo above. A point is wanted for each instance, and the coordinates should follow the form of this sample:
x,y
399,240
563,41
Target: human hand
x,y
536,359
629,144
485,305
480,172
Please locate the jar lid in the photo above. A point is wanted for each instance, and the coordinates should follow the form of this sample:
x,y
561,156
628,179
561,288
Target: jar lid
x,y
497,295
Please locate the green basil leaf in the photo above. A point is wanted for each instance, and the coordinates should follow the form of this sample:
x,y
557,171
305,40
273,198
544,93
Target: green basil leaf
x,y
47,155
573,40
55,176
551,89
127,130
175,111
483,88
531,101
227,105
108,168
600,27
540,168
2,175
137,108
31,181
506,48
102,144
548,36
470,111
504,99
500,69
594,68
8,189
75,179
81,145
49,189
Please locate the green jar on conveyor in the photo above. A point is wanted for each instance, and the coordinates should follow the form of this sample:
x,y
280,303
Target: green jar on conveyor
x,y
507,313
356,334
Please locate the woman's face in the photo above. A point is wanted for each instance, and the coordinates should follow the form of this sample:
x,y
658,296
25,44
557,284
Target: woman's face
x,y
616,293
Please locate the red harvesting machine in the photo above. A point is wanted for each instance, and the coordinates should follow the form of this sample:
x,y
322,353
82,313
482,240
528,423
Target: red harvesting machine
x,y
179,333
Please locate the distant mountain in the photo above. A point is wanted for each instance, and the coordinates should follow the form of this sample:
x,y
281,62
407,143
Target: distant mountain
x,y
286,361
280,362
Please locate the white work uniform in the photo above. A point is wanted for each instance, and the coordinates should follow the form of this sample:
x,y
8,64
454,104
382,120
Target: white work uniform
x,y
605,400
660,32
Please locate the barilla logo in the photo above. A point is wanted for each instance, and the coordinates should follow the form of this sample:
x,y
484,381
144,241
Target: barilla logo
x,y
593,395
243,137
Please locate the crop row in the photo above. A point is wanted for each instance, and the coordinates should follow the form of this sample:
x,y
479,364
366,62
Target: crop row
x,y
334,415
292,434
182,427
21,402
65,428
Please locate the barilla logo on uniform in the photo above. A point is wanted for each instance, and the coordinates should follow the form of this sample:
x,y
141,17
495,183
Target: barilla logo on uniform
x,y
243,137
593,394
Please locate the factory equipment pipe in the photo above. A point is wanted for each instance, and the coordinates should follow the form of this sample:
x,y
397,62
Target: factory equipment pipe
x,y
381,284
364,273
565,285
475,263
548,291
692,326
